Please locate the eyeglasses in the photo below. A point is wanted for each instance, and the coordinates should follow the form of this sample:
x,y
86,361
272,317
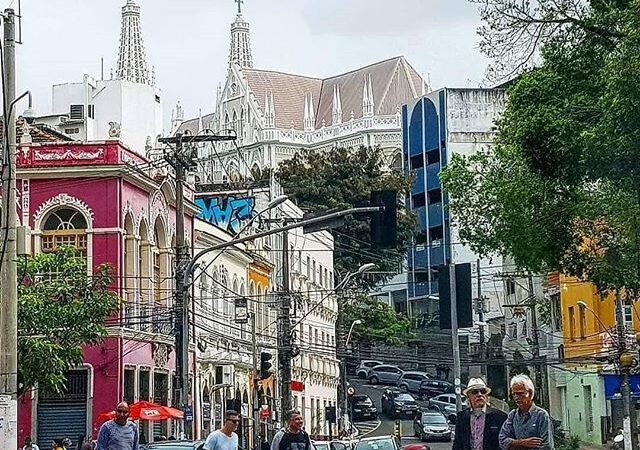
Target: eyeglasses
x,y
519,394
477,391
234,420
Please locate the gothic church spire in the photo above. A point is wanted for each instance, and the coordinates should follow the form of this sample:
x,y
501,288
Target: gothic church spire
x,y
132,61
240,53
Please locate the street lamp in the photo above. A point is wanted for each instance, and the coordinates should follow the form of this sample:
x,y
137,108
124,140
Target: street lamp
x,y
355,322
345,403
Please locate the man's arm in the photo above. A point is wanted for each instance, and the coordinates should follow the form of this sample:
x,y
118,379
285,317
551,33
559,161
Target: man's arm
x,y
457,437
103,438
507,433
275,444
209,443
546,431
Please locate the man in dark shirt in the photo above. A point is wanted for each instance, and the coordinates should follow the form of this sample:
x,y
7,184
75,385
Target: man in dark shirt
x,y
293,437
528,426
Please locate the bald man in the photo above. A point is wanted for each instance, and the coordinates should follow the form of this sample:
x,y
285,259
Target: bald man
x,y
119,433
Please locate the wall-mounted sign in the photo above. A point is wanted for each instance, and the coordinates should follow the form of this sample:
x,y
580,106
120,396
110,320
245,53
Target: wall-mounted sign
x,y
241,311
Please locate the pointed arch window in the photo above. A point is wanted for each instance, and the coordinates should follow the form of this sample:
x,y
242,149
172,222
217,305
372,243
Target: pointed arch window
x,y
64,226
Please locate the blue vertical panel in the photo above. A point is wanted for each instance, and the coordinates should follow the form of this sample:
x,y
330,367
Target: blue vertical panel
x,y
405,137
415,129
433,176
435,214
443,116
431,133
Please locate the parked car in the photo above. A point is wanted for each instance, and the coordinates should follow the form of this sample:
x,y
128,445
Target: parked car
x,y
378,443
384,374
331,445
362,407
431,388
431,425
362,371
411,381
446,404
174,445
399,404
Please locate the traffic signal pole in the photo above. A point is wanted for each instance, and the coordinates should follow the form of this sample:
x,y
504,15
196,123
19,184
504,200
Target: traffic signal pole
x,y
284,333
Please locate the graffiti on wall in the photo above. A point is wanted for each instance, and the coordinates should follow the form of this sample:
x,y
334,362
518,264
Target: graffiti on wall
x,y
226,213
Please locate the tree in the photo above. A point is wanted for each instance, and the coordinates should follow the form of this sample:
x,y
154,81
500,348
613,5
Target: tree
x,y
560,190
380,322
60,310
343,178
514,31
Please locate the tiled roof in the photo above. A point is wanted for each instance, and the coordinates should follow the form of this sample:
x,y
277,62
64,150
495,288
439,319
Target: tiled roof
x,y
288,94
40,133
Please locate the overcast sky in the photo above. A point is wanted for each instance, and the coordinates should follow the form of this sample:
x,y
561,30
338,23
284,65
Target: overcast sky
x,y
188,41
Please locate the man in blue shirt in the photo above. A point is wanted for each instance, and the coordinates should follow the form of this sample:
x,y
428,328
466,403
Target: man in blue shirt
x,y
225,438
528,426
119,433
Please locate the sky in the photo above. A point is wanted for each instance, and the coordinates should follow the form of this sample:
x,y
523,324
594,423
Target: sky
x,y
188,41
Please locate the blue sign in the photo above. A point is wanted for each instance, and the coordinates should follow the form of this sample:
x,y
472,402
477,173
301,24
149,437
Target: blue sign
x,y
227,213
612,383
188,413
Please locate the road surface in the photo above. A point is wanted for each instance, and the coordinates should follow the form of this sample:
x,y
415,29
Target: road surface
x,y
384,426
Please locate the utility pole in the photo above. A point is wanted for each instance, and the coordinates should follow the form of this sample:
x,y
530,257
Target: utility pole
x,y
480,310
284,331
181,161
9,276
541,379
628,422
254,394
454,335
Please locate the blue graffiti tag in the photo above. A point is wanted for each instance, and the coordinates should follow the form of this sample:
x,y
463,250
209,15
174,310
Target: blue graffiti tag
x,y
226,213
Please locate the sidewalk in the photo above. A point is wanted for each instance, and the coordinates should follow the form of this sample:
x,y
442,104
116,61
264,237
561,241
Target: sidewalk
x,y
594,447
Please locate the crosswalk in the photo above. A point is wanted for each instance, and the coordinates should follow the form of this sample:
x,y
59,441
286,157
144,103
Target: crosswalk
x,y
366,428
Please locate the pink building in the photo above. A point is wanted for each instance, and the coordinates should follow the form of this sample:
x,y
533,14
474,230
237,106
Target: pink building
x,y
117,208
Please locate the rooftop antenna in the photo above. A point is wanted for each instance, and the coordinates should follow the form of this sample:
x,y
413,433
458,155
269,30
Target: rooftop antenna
x,y
19,24
102,68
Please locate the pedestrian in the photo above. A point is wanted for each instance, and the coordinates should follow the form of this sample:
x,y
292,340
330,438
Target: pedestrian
x,y
66,444
119,433
56,444
478,428
29,445
527,426
225,438
293,437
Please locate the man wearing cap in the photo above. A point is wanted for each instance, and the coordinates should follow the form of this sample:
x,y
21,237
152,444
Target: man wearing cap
x,y
478,428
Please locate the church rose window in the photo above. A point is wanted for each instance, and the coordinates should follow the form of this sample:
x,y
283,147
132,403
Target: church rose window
x,y
64,226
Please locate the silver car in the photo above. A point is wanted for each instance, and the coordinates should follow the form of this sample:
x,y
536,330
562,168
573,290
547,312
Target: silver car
x,y
446,404
384,374
362,371
411,381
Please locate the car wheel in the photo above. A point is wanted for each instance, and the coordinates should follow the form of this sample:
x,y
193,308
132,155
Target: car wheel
x,y
362,375
373,380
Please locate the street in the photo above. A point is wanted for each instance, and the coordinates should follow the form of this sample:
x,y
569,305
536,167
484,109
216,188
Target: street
x,y
384,426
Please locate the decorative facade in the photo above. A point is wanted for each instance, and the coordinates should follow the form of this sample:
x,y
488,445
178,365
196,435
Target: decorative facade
x,y
96,198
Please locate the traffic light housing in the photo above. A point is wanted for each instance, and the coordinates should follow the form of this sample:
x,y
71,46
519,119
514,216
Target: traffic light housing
x,y
265,365
384,224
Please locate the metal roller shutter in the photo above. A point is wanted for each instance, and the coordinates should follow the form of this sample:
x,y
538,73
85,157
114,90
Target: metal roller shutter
x,y
61,420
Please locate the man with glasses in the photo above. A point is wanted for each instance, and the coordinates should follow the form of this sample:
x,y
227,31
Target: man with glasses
x,y
478,428
528,426
225,438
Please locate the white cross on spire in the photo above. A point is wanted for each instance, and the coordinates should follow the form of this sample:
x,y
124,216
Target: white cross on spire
x,y
239,2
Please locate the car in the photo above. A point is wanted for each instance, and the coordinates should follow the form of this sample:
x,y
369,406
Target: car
x,y
378,443
384,374
331,445
446,404
362,371
362,407
399,404
431,425
431,388
411,381
174,445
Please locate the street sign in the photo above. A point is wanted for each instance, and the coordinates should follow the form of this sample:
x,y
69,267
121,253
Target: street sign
x,y
351,390
206,410
241,311
188,413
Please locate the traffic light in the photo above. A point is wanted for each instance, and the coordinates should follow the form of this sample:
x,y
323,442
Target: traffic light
x,y
384,224
265,365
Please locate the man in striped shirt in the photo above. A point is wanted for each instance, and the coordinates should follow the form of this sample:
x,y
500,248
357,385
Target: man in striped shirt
x,y
119,433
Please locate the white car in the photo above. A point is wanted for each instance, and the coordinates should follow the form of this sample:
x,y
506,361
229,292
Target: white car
x,y
362,371
446,404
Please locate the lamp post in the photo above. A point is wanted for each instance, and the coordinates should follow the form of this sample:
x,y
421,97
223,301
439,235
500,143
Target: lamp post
x,y
345,402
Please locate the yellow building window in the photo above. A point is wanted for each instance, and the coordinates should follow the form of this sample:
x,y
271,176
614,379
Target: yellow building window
x,y
572,323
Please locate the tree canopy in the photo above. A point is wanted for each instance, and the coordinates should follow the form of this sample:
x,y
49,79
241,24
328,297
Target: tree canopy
x,y
60,310
560,189
343,178
380,322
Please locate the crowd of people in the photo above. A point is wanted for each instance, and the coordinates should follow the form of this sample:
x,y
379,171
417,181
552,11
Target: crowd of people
x,y
84,443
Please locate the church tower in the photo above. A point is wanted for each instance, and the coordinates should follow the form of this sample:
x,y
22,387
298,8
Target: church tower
x,y
132,61
240,41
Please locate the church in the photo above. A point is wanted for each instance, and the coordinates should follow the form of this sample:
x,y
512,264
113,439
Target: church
x,y
276,114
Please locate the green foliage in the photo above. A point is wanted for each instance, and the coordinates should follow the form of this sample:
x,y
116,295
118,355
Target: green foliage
x,y
343,178
60,309
560,190
380,323
572,442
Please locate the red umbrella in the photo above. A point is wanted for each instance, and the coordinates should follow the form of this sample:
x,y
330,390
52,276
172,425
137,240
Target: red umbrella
x,y
146,411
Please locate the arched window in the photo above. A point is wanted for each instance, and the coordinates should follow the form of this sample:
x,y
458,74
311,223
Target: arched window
x,y
65,226
241,125
234,124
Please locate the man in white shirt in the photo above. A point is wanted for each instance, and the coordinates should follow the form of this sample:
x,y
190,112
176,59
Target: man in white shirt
x,y
225,438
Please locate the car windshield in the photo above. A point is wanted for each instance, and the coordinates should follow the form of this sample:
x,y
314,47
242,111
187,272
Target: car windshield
x,y
434,419
362,400
404,398
321,445
377,444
